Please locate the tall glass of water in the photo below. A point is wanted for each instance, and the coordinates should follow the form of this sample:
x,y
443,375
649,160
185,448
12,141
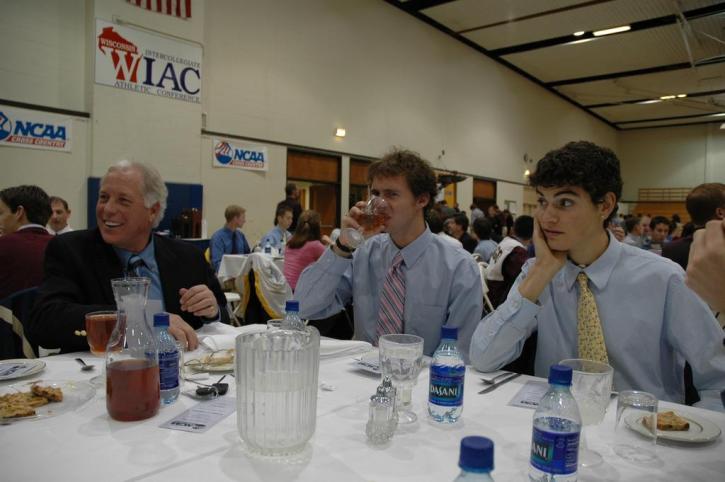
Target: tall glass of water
x,y
401,358
591,386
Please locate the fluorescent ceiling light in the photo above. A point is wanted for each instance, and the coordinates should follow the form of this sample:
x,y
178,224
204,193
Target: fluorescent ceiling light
x,y
719,114
584,40
339,132
610,31
722,126
651,101
680,96
667,97
579,33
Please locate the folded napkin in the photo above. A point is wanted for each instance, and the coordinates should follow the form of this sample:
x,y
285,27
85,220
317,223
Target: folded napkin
x,y
226,340
330,348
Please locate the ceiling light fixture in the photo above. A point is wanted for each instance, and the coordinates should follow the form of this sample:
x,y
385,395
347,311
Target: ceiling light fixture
x,y
527,173
680,96
579,33
719,114
667,97
651,101
340,132
610,31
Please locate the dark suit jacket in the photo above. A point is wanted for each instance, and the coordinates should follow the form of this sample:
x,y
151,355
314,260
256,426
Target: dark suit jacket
x,y
21,259
78,268
678,251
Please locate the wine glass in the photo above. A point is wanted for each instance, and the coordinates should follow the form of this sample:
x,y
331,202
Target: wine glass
x,y
592,388
374,215
99,326
401,358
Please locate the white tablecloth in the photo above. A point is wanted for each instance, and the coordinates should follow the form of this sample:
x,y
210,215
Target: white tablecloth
x,y
88,445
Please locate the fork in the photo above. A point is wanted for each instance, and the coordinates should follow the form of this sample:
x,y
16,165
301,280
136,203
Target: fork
x,y
493,387
492,381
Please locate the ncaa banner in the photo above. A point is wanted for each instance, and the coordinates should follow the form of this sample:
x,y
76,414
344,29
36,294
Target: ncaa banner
x,y
134,60
240,156
34,129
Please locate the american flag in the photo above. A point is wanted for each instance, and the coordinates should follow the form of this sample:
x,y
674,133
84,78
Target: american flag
x,y
179,8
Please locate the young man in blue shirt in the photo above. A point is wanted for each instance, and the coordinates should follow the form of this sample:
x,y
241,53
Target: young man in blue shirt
x,y
277,237
229,239
405,279
590,296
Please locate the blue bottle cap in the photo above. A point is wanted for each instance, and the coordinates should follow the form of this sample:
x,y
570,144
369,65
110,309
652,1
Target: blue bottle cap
x,y
292,305
161,319
560,375
476,454
449,333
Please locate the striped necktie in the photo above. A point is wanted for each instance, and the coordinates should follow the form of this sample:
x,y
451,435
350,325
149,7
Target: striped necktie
x,y
135,263
392,299
589,326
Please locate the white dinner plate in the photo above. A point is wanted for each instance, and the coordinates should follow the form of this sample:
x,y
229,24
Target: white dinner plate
x,y
700,430
75,394
18,368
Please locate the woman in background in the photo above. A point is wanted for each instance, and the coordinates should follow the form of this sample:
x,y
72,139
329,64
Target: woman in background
x,y
304,247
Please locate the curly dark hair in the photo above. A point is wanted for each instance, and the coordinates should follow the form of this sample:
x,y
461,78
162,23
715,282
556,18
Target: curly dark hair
x,y
417,171
582,164
33,199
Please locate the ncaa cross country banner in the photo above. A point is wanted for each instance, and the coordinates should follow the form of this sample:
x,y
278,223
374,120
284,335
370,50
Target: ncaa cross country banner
x,y
34,129
133,60
240,156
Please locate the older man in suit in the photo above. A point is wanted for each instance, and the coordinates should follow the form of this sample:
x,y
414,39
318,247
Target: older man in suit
x,y
79,265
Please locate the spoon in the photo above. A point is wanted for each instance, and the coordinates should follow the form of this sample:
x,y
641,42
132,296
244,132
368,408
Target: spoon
x,y
84,366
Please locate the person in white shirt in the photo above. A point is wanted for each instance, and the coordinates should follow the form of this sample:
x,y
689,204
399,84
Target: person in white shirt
x,y
435,223
58,222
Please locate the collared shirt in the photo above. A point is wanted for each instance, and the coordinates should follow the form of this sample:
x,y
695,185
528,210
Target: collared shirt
x,y
150,270
485,249
633,240
276,237
221,244
442,287
66,229
30,225
652,322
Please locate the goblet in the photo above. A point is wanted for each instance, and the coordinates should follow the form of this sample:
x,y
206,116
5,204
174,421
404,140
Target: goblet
x,y
401,358
591,386
99,326
375,214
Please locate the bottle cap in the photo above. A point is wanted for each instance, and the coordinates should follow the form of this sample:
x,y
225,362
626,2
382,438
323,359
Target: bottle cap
x,y
449,333
292,305
476,454
560,375
161,319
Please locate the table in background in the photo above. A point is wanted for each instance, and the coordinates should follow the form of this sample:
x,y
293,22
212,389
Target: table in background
x,y
88,445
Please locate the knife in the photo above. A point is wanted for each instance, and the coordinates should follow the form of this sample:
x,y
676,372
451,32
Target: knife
x,y
495,386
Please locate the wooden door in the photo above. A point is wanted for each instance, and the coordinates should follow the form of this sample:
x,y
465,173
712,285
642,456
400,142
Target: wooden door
x,y
323,199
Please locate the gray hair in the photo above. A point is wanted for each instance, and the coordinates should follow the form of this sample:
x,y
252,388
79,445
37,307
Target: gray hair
x,y
153,187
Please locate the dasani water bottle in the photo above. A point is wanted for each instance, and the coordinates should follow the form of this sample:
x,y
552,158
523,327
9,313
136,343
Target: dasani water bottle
x,y
447,372
168,359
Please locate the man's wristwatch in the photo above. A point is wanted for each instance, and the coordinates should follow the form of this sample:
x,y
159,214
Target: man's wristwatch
x,y
342,248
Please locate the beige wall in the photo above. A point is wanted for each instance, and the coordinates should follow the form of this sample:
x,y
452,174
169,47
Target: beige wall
x,y
671,157
284,71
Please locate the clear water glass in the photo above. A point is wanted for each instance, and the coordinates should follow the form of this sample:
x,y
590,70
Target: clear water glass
x,y
635,429
591,385
276,374
401,358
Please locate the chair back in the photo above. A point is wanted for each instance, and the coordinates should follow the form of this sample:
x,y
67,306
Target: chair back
x,y
14,312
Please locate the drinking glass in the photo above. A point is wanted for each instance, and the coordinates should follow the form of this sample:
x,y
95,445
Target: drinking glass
x,y
375,214
635,430
99,326
591,386
401,358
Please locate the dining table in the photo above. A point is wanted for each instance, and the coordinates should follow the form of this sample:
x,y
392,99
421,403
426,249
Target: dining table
x,y
85,444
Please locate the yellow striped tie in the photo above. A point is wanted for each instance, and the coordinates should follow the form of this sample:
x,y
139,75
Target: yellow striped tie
x,y
589,327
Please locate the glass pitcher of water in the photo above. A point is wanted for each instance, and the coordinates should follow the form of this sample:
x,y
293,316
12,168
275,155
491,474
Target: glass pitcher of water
x,y
132,367
276,374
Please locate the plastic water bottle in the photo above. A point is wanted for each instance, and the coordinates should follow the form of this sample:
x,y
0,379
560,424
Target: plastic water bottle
x,y
476,460
557,425
168,359
292,320
447,372
268,248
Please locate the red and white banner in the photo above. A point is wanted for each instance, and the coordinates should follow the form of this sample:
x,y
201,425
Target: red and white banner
x,y
178,8
138,61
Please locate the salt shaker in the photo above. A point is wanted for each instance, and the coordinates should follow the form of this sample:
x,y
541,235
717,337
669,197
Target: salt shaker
x,y
383,418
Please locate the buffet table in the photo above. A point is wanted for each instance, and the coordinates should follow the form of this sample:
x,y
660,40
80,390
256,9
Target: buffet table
x,y
86,445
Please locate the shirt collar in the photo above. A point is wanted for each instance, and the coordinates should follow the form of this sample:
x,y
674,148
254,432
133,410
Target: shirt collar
x,y
414,250
29,226
599,271
148,255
